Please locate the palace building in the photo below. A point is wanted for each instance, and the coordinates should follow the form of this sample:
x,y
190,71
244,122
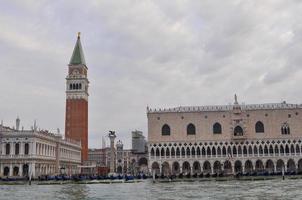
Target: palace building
x,y
76,120
228,139
35,153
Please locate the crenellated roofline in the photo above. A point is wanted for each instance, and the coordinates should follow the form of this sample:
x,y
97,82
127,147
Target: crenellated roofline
x,y
215,108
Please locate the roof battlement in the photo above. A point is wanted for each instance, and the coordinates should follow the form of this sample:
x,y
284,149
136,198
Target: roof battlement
x,y
215,108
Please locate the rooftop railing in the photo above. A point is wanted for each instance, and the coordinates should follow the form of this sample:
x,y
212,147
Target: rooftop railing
x,y
224,107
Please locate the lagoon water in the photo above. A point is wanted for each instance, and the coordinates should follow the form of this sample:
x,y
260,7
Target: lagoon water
x,y
235,189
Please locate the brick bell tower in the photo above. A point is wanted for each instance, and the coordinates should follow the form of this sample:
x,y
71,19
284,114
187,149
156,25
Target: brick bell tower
x,y
76,119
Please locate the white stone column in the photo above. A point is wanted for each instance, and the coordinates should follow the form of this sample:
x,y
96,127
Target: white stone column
x,y
33,170
58,157
160,168
33,148
46,169
20,170
233,168
11,148
112,136
21,148
10,169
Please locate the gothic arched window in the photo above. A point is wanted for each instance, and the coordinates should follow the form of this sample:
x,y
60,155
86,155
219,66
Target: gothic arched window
x,y
152,152
238,131
191,130
7,149
285,130
17,148
217,128
165,130
259,127
26,149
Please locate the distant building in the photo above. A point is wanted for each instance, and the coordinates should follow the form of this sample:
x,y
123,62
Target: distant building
x,y
36,153
125,160
226,139
120,165
139,144
98,158
132,160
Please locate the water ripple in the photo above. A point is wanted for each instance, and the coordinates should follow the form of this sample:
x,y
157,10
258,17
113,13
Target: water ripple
x,y
245,190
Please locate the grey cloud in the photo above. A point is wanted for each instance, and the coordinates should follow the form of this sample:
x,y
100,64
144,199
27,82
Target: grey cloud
x,y
139,53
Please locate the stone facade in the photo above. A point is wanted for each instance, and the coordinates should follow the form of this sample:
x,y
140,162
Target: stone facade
x,y
228,138
98,156
36,153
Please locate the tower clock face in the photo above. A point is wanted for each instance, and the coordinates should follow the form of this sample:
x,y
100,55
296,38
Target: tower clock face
x,y
75,72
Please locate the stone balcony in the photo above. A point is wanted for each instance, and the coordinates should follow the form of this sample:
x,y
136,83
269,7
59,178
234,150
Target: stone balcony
x,y
238,137
29,156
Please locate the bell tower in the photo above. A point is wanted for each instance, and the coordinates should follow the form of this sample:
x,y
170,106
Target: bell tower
x,y
76,119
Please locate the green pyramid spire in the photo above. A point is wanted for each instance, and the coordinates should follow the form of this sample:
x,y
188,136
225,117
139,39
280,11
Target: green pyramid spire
x,y
77,57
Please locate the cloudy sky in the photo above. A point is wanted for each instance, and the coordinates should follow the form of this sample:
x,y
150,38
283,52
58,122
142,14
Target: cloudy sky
x,y
158,53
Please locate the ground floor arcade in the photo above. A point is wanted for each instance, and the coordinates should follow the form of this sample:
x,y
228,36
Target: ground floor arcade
x,y
37,168
226,166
